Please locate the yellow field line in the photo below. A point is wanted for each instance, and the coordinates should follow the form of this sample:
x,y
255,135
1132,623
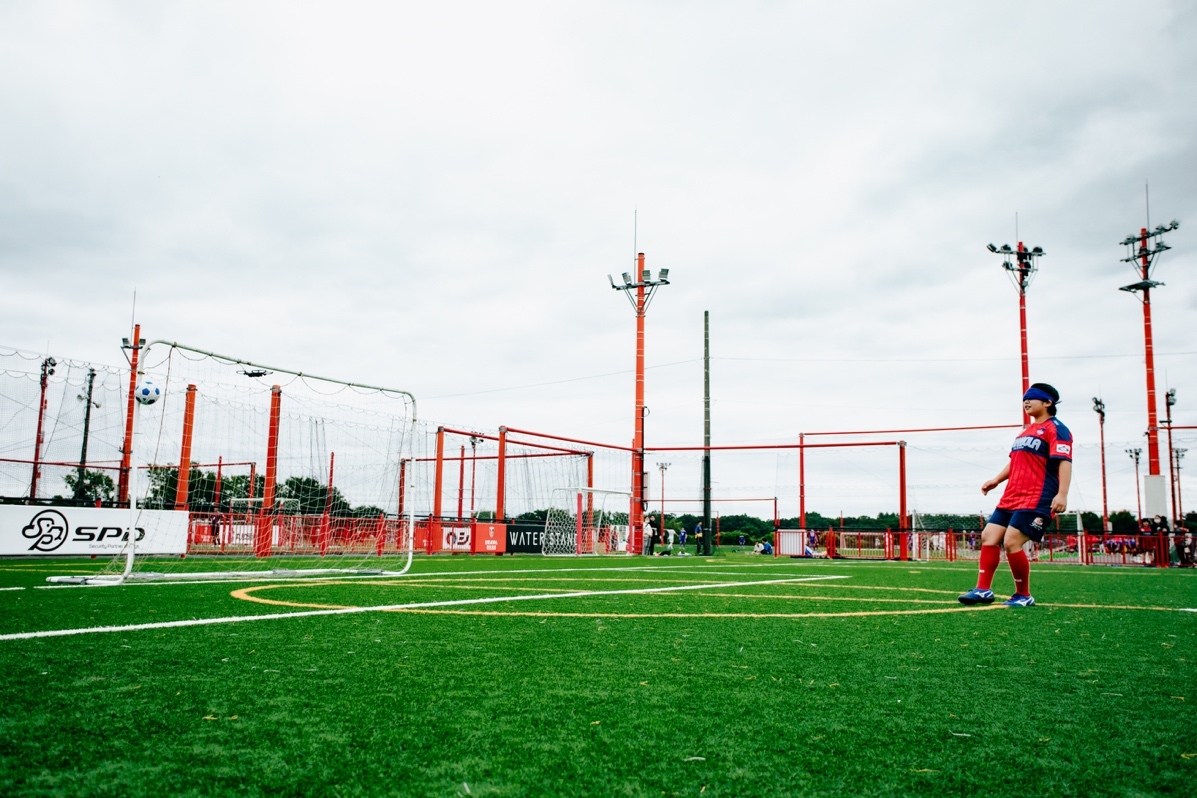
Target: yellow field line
x,y
859,614
247,594
831,598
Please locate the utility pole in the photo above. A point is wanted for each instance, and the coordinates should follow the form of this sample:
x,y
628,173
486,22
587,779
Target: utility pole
x,y
1169,400
640,293
708,536
1135,453
1022,271
79,488
1142,250
663,467
47,369
474,440
1099,407
1178,455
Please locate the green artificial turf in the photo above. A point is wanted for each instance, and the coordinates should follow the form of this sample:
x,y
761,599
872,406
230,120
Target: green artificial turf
x,y
695,692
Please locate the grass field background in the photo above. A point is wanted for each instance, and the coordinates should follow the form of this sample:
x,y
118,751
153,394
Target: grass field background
x,y
745,676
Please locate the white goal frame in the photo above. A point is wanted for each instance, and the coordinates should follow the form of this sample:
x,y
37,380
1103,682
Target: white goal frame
x,y
128,575
578,522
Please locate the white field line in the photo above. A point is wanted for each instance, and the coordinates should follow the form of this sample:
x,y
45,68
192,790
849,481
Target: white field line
x,y
391,607
12,588
938,566
266,577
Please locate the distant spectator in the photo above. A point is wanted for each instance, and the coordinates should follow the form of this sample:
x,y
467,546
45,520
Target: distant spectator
x,y
1184,546
767,548
681,537
741,540
758,547
649,540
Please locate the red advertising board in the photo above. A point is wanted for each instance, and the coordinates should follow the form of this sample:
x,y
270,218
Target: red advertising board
x,y
489,538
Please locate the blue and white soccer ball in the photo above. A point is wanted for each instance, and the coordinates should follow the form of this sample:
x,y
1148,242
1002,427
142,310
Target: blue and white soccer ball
x,y
147,392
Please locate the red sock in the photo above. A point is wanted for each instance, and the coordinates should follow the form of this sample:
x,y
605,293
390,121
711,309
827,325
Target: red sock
x,y
1021,568
991,557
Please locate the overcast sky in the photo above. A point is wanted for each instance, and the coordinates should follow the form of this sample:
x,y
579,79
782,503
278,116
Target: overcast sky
x,y
430,196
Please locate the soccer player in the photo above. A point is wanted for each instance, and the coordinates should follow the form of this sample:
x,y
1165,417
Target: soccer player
x,y
1039,472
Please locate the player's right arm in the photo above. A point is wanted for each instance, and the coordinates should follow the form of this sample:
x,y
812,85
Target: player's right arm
x,y
990,484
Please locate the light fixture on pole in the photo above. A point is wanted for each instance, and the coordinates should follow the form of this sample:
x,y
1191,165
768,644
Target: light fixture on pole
x,y
1135,453
1142,250
1099,407
640,293
1021,264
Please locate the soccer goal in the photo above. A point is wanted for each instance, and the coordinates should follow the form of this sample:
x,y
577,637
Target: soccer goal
x,y
586,521
234,469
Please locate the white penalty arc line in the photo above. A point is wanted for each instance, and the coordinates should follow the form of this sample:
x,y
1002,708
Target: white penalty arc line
x,y
394,607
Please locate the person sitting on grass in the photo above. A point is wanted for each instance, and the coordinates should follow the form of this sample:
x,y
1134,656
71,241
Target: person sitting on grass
x,y
1039,473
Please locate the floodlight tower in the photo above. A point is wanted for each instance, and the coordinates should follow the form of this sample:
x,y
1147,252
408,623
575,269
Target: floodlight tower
x,y
1135,453
640,293
1099,407
1142,250
1022,271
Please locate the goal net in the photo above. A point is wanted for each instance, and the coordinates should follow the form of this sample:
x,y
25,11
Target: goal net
x,y
586,521
243,469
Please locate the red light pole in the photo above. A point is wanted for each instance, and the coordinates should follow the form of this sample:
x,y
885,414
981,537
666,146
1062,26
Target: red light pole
x,y
122,490
1142,251
1099,407
640,293
1022,271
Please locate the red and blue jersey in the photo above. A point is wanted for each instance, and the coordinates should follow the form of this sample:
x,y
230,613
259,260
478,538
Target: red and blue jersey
x,y
1035,466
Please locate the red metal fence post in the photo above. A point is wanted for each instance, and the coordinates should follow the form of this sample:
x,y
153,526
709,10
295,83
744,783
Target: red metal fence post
x,y
185,452
265,528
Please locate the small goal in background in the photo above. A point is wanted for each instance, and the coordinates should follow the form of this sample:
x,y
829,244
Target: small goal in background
x,y
586,521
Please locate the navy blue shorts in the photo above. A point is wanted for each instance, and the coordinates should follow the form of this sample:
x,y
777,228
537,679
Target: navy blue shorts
x,y
1032,523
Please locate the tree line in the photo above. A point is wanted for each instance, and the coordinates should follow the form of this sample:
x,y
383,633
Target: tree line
x,y
310,497
307,495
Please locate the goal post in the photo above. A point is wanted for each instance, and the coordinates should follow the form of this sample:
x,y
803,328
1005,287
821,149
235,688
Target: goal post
x,y
584,520
324,494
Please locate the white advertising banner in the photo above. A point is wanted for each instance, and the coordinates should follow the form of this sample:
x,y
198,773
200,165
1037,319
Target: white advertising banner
x,y
35,531
455,538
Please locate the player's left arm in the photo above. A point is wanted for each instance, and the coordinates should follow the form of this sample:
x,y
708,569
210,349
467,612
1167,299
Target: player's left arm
x,y
1060,503
1060,450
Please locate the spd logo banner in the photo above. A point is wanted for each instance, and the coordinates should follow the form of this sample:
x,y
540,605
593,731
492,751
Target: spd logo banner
x,y
34,531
